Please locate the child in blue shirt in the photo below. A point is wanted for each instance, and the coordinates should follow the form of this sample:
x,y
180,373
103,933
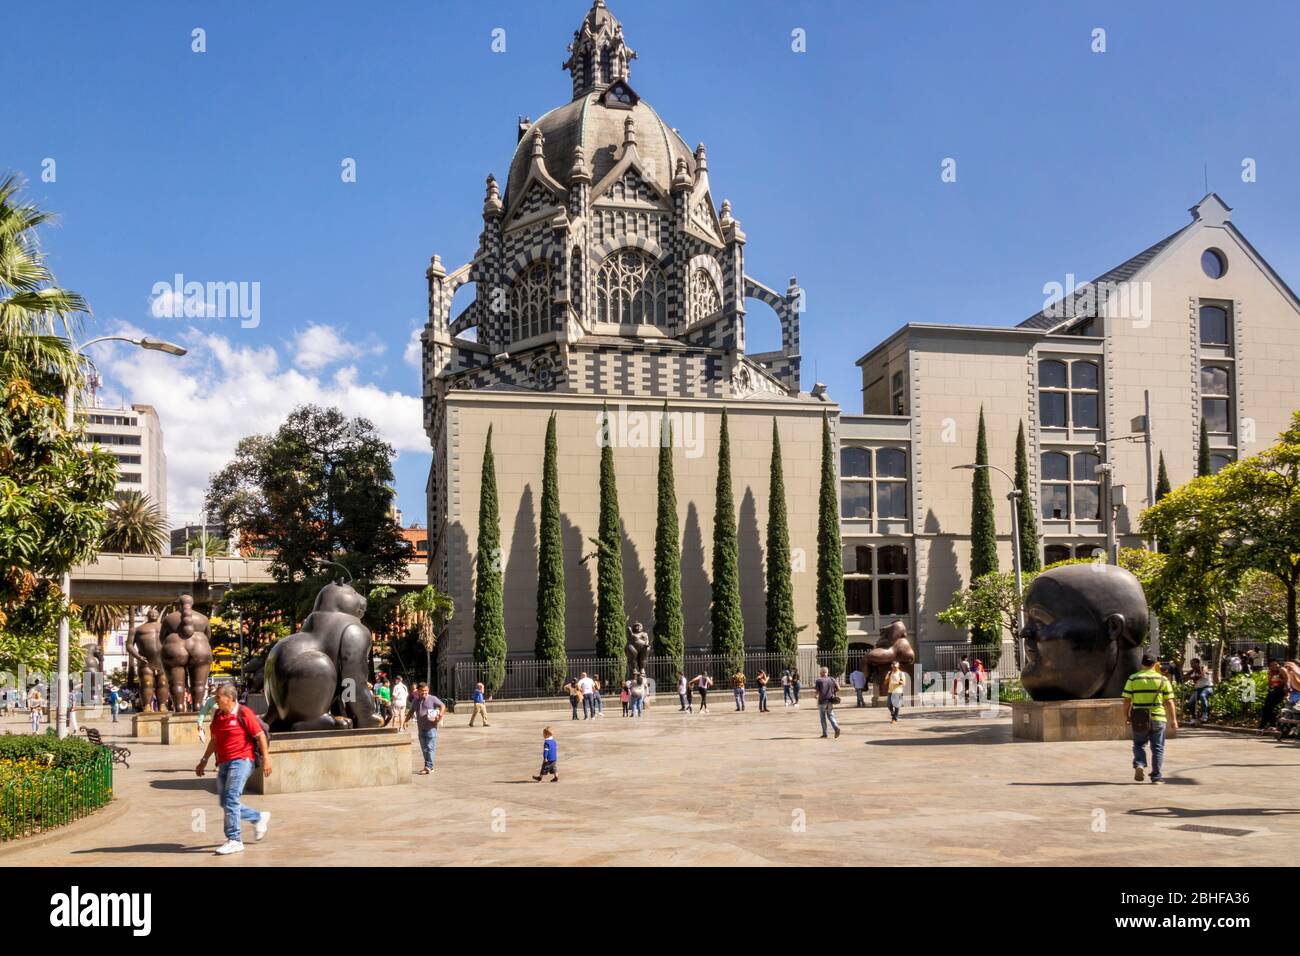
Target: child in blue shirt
x,y
550,755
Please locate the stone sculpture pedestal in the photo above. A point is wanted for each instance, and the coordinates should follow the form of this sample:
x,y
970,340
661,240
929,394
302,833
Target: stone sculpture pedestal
x,y
148,724
334,760
1053,721
181,728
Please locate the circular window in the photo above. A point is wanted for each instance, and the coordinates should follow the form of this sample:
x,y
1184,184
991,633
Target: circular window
x,y
1213,263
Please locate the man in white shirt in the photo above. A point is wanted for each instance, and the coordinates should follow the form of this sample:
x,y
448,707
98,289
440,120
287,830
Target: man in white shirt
x,y
859,682
400,693
587,687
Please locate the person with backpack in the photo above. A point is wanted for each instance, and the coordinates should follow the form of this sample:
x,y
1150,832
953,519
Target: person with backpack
x,y
1149,708
828,690
238,736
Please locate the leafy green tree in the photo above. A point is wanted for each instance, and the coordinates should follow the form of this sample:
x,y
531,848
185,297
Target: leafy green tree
x,y
782,633
1204,467
725,613
550,567
669,636
319,489
983,535
1162,480
430,610
53,492
611,618
489,603
832,622
1260,498
1029,559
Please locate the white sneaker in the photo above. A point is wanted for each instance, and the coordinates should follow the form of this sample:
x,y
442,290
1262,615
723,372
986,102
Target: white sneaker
x,y
263,822
230,846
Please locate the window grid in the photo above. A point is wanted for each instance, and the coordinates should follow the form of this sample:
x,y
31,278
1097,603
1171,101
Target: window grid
x,y
1069,394
530,302
873,483
631,290
1070,489
877,580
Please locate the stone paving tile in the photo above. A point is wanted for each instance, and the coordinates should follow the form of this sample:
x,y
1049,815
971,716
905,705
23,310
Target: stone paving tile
x,y
940,787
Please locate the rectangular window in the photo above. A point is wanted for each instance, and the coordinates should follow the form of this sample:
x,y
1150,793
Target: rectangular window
x,y
891,499
855,499
897,394
857,596
129,477
1056,502
893,596
1051,410
1215,411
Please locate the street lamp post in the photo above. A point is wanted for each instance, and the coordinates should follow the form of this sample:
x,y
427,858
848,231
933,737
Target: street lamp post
x,y
1013,496
64,685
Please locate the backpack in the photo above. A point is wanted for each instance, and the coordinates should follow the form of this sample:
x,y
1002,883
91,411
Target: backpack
x,y
263,727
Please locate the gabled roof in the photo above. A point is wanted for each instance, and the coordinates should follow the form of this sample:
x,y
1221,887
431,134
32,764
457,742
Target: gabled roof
x,y
1084,305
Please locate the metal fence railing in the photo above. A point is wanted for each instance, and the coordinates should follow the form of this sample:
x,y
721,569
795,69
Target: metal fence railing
x,y
948,656
529,678
38,799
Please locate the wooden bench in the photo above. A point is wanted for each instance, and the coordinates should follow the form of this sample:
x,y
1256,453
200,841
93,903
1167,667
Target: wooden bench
x,y
120,754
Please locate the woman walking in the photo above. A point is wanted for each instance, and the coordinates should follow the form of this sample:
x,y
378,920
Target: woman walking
x,y
1202,687
1273,700
795,684
702,683
761,680
787,693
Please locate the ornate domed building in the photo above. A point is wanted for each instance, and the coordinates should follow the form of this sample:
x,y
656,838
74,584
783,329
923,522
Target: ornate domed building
x,y
606,272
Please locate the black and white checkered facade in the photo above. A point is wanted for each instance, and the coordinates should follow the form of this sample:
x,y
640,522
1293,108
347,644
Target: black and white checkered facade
x,y
600,178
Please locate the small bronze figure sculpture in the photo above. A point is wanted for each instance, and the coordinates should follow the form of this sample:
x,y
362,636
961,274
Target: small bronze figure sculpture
x,y
320,672
93,657
637,649
1085,628
146,648
186,654
892,646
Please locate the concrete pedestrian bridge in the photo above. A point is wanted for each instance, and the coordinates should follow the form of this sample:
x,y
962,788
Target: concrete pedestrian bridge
x,y
136,579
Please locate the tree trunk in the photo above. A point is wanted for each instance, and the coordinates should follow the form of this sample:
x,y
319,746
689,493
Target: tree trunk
x,y
428,666
1292,629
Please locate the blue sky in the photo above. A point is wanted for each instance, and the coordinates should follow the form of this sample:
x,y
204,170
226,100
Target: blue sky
x,y
225,166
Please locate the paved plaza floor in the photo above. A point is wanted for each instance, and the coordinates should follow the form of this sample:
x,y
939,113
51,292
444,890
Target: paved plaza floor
x,y
943,787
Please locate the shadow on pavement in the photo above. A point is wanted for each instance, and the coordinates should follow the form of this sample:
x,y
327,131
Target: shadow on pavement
x,y
194,783
1184,781
150,848
948,737
1180,812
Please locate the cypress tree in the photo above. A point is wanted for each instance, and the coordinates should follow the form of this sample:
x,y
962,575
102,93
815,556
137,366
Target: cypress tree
x,y
489,606
611,619
1203,466
725,615
550,569
1029,559
782,634
983,533
668,637
1162,479
832,627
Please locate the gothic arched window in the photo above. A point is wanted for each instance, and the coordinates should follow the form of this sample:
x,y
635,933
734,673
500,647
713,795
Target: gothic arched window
x,y
530,302
705,300
606,66
631,290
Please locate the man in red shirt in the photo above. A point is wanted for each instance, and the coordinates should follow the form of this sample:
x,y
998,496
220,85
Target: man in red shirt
x,y
237,736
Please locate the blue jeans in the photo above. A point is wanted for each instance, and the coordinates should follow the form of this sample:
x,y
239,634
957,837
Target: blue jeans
x,y
638,706
827,713
600,704
895,702
428,744
231,777
796,687
1156,735
762,697
114,710
685,701
740,697
1201,702
588,706
573,702
787,693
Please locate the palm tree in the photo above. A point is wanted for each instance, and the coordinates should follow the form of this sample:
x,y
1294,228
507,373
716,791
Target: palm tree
x,y
100,619
135,526
431,609
37,318
215,547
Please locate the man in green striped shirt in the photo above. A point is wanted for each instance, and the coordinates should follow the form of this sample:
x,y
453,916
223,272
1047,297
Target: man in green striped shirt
x,y
1149,708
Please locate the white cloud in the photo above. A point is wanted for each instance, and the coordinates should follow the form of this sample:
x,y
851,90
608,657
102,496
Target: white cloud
x,y
414,351
221,392
319,345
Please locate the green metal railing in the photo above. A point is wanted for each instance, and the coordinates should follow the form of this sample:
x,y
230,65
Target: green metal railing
x,y
38,799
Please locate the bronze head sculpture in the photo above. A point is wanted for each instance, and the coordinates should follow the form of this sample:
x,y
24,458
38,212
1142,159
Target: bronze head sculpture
x,y
320,673
1085,628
